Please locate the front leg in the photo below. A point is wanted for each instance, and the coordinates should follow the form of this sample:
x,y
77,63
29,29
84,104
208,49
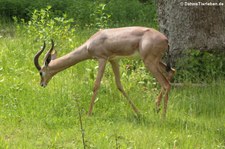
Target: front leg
x,y
115,67
101,65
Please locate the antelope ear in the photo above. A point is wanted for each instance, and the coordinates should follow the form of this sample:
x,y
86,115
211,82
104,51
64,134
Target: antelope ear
x,y
48,60
50,57
53,55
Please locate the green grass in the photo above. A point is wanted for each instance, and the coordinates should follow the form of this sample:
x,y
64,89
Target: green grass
x,y
35,117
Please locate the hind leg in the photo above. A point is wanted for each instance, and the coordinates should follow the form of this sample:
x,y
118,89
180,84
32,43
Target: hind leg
x,y
152,50
153,67
169,74
158,100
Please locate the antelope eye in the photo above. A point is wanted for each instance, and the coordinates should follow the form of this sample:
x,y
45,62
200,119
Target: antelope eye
x,y
41,74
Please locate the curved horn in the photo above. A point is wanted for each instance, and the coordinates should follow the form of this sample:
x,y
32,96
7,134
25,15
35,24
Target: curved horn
x,y
47,58
50,51
36,57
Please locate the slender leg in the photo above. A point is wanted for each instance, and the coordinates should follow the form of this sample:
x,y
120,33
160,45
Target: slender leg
x,y
166,98
115,67
159,99
102,63
162,81
169,75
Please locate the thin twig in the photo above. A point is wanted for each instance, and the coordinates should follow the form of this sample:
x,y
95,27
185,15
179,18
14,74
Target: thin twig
x,y
81,125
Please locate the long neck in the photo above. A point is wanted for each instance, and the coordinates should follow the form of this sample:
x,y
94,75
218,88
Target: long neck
x,y
70,59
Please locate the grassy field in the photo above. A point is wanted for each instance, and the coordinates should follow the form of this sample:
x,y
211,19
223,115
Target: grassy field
x,y
35,117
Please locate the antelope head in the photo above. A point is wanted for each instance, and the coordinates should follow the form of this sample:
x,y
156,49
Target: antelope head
x,y
44,70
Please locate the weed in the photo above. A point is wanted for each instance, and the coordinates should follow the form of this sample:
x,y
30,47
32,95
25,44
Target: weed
x,y
43,26
200,66
101,19
81,123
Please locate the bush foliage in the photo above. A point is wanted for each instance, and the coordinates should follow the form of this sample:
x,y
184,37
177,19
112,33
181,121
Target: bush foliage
x,y
43,25
200,66
85,12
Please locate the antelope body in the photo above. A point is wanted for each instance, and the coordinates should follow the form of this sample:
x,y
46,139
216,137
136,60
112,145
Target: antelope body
x,y
107,45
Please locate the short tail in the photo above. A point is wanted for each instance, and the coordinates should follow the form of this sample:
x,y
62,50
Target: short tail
x,y
168,64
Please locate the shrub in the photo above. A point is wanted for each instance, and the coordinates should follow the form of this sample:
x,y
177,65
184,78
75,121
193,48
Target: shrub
x,y
132,11
200,66
43,26
87,12
101,19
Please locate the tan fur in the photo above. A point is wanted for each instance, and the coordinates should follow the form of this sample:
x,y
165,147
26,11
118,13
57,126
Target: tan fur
x,y
109,44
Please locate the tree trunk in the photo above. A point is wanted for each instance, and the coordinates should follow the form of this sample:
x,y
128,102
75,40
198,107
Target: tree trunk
x,y
196,25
